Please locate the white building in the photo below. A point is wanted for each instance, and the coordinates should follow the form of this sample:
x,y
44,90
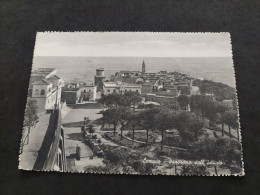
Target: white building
x,y
47,90
111,87
88,93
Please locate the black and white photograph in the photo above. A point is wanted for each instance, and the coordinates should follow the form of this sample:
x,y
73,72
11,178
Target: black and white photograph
x,y
141,103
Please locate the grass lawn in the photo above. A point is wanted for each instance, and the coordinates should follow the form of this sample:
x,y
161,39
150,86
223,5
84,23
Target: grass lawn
x,y
124,142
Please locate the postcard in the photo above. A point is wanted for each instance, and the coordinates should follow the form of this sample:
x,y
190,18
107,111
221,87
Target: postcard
x,y
140,103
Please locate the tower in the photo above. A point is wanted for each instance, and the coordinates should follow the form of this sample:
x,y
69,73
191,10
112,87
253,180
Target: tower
x,y
99,78
143,67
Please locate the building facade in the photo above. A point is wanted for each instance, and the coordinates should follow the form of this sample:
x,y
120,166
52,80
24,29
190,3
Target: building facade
x,y
46,90
99,78
74,93
120,88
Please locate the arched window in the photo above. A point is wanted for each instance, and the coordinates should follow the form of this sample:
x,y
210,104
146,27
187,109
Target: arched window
x,y
36,92
89,90
42,92
114,91
108,90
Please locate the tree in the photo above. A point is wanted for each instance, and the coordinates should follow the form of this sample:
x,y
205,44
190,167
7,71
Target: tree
x,y
221,91
131,99
230,118
133,122
196,104
111,116
221,109
147,120
164,120
91,130
123,114
194,169
183,101
110,100
217,149
30,116
189,125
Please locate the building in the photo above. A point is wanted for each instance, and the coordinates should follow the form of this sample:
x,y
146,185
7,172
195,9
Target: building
x,y
121,88
88,92
45,88
71,95
161,99
74,93
99,78
143,67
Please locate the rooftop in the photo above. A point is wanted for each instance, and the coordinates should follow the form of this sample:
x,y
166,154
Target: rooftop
x,y
43,70
42,82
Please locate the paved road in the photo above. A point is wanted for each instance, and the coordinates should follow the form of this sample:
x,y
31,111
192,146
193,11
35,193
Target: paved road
x,y
73,137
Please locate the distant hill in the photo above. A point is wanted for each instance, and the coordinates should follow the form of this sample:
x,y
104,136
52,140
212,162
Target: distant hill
x,y
220,90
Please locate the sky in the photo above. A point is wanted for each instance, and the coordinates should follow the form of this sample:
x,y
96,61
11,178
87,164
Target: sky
x,y
136,44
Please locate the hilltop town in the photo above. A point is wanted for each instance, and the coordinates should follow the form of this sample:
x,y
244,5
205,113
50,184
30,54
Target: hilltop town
x,y
82,126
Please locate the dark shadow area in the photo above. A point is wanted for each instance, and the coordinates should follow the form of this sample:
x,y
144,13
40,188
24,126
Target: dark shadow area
x,y
73,124
88,106
75,136
46,144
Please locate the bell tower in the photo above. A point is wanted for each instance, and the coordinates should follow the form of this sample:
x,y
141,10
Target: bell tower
x,y
143,67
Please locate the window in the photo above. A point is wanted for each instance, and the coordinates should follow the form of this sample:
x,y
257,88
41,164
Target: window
x,y
49,89
114,91
89,90
84,91
36,92
42,92
108,90
136,91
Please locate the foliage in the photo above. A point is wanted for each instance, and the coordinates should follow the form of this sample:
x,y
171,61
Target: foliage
x,y
220,90
183,101
188,124
194,169
230,118
147,118
30,117
143,168
127,99
220,149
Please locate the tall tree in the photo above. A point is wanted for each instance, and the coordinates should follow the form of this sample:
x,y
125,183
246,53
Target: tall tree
x,y
30,116
189,124
147,120
132,99
183,101
230,118
123,115
164,120
133,122
111,116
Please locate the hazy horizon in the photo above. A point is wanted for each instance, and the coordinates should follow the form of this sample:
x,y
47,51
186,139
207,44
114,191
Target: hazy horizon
x,y
136,44
219,69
